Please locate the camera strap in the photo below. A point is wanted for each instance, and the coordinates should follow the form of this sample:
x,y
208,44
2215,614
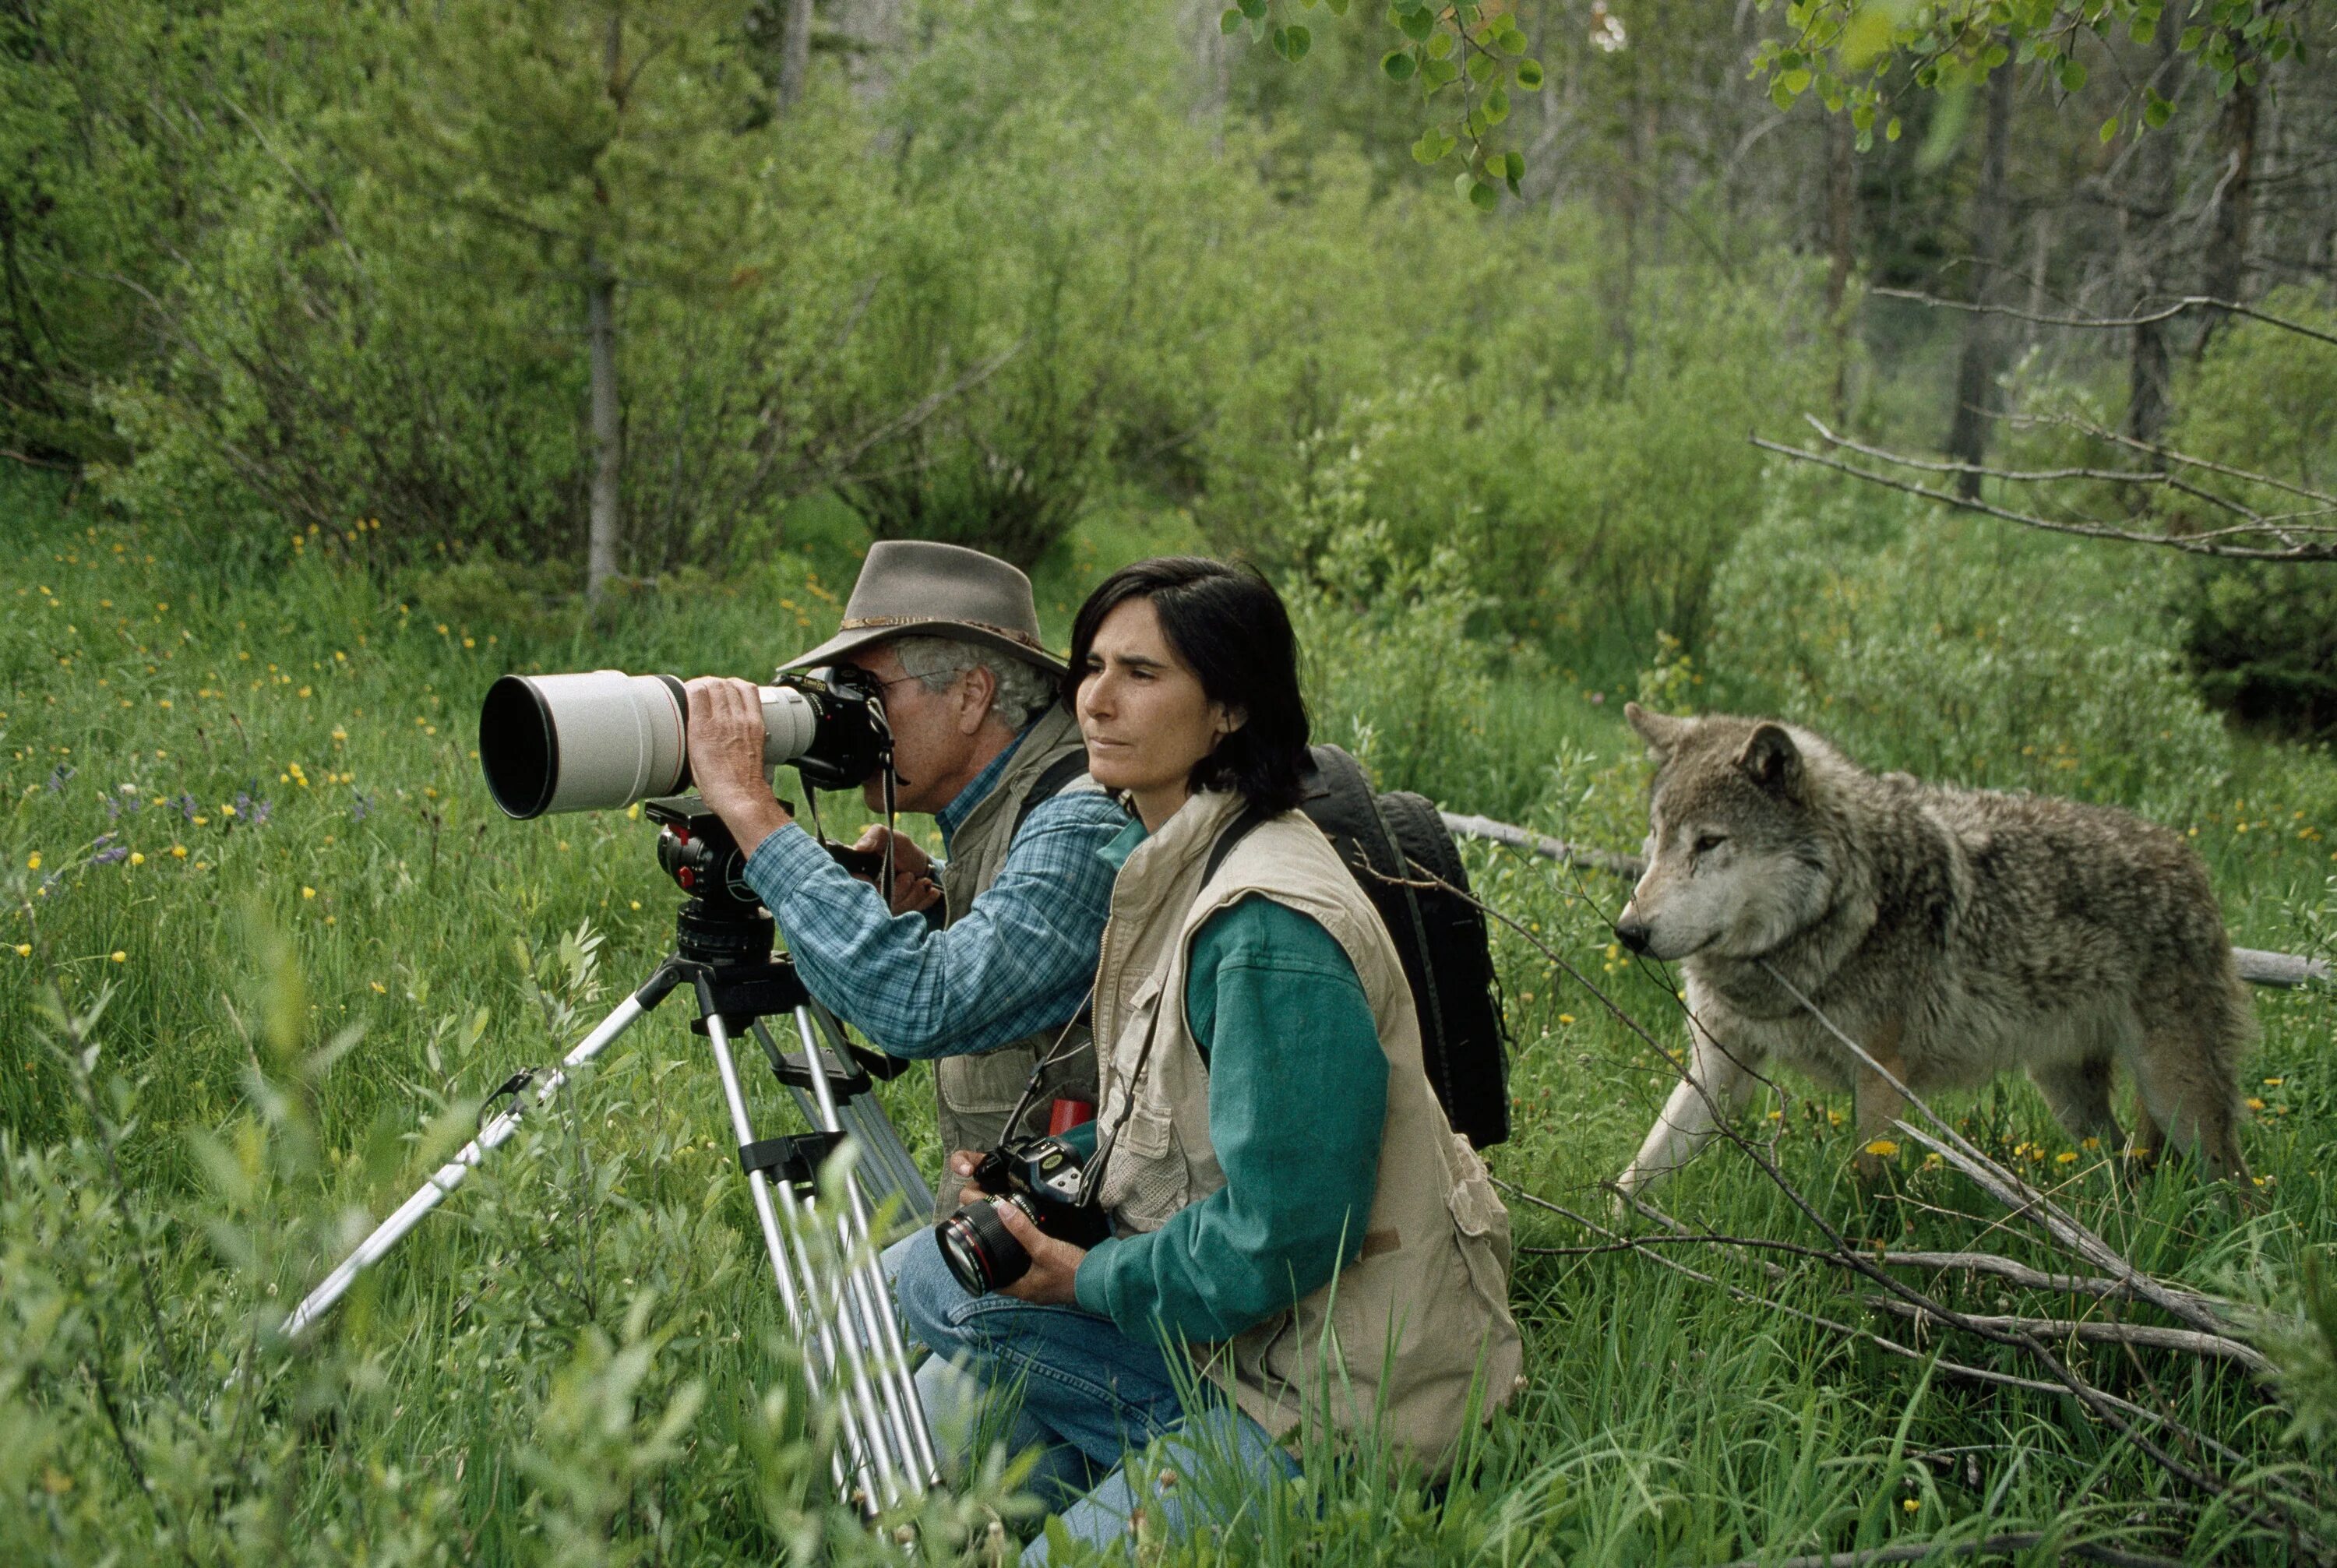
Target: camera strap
x,y
1058,1052
1091,1177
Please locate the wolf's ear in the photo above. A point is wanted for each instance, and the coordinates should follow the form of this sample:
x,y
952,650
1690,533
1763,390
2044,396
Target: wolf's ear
x,y
1773,760
1661,733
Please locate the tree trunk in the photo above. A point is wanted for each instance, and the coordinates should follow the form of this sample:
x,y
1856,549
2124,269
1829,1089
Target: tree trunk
x,y
795,53
2235,204
1977,368
1842,195
2144,220
608,432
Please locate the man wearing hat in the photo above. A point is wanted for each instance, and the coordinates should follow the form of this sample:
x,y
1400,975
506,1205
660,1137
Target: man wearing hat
x,y
983,741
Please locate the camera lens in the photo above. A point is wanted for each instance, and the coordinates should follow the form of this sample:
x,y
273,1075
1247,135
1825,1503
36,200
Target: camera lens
x,y
981,1253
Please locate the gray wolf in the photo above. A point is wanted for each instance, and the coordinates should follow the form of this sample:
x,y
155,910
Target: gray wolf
x,y
1955,934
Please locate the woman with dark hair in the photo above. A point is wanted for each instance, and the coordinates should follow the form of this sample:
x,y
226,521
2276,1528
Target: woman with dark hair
x,y
1298,1241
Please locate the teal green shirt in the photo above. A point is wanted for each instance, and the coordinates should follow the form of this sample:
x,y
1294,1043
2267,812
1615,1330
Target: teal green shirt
x,y
1297,1097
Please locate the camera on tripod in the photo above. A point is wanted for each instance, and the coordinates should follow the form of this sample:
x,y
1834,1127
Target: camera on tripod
x,y
1042,1177
589,742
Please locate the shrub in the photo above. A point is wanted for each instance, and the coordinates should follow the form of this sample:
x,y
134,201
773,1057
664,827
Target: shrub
x,y
1961,650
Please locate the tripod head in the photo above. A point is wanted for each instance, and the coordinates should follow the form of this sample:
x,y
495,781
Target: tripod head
x,y
723,925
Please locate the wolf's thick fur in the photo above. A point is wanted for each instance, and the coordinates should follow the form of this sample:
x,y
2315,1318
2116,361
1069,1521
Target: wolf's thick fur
x,y
1952,932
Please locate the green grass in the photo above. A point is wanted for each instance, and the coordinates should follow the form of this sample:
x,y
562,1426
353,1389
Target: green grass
x,y
496,1393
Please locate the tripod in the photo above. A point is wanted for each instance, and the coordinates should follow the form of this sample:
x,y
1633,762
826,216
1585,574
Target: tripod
x,y
837,1303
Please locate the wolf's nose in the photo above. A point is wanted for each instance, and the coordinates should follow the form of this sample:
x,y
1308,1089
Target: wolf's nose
x,y
1632,934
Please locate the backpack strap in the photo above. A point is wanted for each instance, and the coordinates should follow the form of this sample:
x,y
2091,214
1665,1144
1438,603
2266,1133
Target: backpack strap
x,y
1239,828
1050,784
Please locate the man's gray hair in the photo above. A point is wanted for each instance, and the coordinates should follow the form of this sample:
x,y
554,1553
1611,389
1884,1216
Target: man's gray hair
x,y
1024,690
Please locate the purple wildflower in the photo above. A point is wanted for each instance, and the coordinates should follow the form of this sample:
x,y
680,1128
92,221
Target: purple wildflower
x,y
187,804
252,813
107,855
57,779
360,806
113,808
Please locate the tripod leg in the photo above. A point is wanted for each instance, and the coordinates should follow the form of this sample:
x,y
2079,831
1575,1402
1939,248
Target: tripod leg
x,y
875,1297
497,1131
874,1464
864,1118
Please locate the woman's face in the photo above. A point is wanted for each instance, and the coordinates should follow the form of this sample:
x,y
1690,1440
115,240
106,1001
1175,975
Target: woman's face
x,y
1146,719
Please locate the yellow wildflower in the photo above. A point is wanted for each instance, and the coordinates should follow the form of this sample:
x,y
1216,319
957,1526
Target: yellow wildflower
x,y
308,891
1883,1147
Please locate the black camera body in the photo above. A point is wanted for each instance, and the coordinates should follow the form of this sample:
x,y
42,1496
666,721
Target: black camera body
x,y
1042,1178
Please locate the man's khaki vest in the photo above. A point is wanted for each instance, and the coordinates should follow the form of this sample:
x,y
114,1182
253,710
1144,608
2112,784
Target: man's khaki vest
x,y
1406,1337
973,1094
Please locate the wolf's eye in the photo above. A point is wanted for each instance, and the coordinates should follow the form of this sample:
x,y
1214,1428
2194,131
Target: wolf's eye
x,y
1707,842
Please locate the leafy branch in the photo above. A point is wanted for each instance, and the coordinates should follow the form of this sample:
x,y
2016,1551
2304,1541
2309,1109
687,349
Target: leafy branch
x,y
1842,50
1465,59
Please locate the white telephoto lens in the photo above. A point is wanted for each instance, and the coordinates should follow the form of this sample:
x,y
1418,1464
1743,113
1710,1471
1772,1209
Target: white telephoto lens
x,y
789,724
581,742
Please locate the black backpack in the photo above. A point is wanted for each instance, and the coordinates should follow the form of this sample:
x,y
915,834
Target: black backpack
x,y
1439,936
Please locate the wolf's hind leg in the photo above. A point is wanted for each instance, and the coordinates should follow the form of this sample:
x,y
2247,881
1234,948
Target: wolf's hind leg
x,y
1718,1083
2080,1094
2186,1071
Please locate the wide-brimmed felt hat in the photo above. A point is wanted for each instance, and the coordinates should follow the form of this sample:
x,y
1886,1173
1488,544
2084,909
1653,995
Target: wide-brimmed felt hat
x,y
916,588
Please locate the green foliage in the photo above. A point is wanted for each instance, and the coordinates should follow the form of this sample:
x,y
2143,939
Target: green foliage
x,y
121,139
1957,651
2263,637
1461,60
1844,51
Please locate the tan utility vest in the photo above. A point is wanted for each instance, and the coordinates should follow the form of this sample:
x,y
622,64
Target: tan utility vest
x,y
1406,1335
973,1094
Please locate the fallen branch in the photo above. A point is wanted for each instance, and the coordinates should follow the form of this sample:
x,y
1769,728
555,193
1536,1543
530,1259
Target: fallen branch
x,y
2090,1331
1961,1371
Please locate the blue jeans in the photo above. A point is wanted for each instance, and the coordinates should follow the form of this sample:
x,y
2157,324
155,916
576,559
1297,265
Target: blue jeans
x,y
1090,1398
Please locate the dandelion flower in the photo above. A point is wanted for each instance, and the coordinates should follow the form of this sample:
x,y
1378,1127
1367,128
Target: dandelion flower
x,y
33,861
178,850
1883,1147
378,988
308,891
136,858
1912,1505
25,949
2066,1157
2255,1103
119,956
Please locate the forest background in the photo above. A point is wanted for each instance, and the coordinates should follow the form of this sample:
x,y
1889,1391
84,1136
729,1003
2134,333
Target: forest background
x,y
351,355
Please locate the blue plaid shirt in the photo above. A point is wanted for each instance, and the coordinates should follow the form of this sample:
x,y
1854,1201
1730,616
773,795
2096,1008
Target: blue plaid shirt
x,y
1020,961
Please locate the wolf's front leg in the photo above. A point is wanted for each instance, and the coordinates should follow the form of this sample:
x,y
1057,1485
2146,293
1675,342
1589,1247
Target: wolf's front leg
x,y
1718,1084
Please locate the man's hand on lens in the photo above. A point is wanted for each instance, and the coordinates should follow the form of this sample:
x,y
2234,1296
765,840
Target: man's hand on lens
x,y
913,887
726,758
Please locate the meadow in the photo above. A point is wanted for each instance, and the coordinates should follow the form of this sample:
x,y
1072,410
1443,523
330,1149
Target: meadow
x,y
269,942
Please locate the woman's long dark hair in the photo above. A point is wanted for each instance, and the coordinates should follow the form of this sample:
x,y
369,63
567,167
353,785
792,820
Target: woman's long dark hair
x,y
1229,627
